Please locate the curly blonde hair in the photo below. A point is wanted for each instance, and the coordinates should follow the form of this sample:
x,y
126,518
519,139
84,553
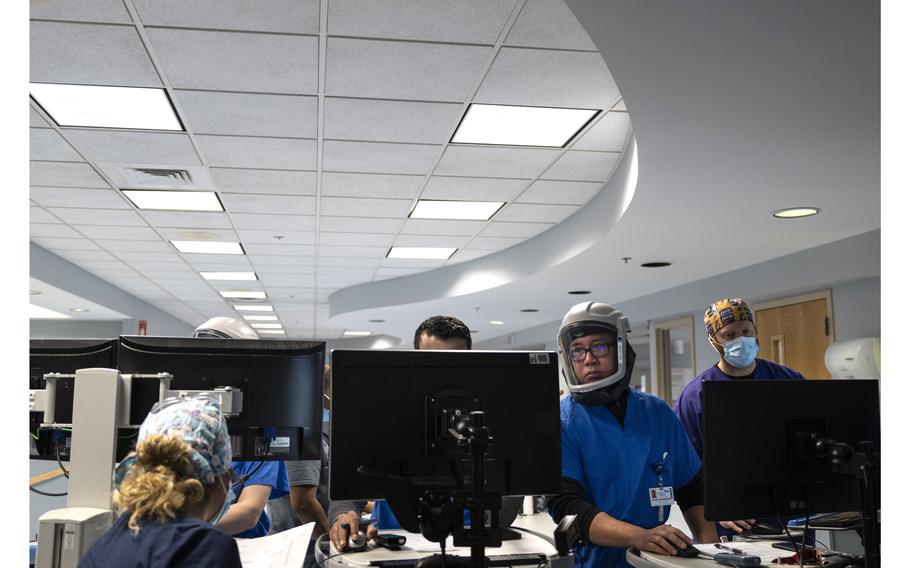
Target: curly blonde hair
x,y
161,481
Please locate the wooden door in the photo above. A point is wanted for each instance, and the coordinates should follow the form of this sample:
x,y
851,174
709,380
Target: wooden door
x,y
796,336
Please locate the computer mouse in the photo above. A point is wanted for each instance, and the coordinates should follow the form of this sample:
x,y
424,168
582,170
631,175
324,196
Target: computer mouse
x,y
357,541
688,552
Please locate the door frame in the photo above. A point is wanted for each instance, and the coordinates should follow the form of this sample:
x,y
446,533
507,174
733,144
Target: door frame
x,y
661,378
798,299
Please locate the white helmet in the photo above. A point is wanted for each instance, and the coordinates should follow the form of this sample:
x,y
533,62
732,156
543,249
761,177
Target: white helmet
x,y
225,328
589,318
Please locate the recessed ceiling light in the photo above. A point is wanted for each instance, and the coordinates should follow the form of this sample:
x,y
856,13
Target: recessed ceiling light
x,y
462,210
521,125
242,294
428,253
376,321
196,247
796,212
530,310
260,318
79,310
171,200
265,325
272,331
253,308
106,107
198,235
229,275
659,264
354,333
37,312
34,292
579,292
497,322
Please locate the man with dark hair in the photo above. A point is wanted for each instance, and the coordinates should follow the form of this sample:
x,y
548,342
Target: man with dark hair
x,y
442,332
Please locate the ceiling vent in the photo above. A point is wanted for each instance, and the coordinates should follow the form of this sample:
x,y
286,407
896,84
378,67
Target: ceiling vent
x,y
158,176
154,177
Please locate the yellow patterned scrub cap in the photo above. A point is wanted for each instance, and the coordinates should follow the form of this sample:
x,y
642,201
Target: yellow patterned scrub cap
x,y
726,311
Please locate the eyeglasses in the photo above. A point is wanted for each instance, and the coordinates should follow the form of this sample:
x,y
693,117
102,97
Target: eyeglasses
x,y
597,350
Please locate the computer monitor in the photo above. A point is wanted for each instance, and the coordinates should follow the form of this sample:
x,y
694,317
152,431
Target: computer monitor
x,y
62,356
281,381
391,410
758,456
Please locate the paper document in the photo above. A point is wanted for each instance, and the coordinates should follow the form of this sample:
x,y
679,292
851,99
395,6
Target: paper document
x,y
286,549
763,550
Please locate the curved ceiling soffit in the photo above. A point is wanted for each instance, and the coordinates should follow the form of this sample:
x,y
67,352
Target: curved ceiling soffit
x,y
554,246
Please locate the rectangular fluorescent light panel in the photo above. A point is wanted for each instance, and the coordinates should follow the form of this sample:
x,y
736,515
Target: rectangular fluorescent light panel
x,y
208,247
352,333
260,318
427,253
272,331
229,275
37,312
265,325
253,308
173,200
241,295
106,107
463,210
521,125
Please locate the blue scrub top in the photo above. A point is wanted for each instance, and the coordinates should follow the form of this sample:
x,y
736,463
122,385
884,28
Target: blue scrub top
x,y
273,474
616,464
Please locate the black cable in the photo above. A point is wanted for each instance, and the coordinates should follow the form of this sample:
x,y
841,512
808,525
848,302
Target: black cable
x,y
789,536
246,477
60,463
805,530
45,493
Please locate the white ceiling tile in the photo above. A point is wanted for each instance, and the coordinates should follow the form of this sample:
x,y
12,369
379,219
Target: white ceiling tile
x,y
154,269
62,174
358,225
390,272
620,106
155,249
355,239
109,11
495,162
473,188
249,152
403,70
217,262
371,185
187,219
276,204
206,112
549,23
134,147
543,77
288,16
493,243
35,120
565,192
352,251
39,215
458,21
293,296
441,227
78,197
412,263
234,61
296,280
283,269
265,181
365,207
118,233
192,234
71,53
274,222
341,281
46,144
267,261
104,265
609,134
525,230
52,230
431,241
359,272
468,254
391,121
268,237
378,157
535,213
583,166
283,249
349,261
107,217
74,255
53,244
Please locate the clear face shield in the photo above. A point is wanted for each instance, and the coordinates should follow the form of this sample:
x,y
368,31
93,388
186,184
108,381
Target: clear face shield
x,y
592,355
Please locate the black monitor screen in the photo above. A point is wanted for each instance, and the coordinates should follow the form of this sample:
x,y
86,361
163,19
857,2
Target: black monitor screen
x,y
386,409
756,461
63,356
281,381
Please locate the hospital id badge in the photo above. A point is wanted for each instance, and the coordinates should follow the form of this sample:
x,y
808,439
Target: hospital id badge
x,y
661,496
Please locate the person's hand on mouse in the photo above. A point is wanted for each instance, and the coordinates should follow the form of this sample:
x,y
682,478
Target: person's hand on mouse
x,y
343,526
662,539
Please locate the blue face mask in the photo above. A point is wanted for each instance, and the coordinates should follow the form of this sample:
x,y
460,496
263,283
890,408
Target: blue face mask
x,y
228,499
740,352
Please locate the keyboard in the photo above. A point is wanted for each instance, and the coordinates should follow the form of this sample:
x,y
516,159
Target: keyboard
x,y
523,559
